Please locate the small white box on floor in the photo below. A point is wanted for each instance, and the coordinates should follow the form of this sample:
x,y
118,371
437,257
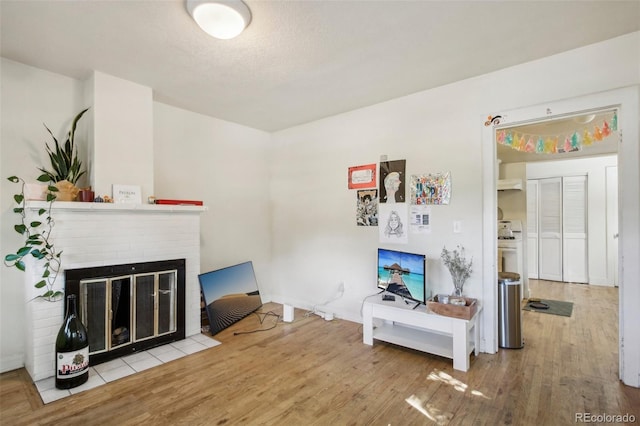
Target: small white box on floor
x,y
287,313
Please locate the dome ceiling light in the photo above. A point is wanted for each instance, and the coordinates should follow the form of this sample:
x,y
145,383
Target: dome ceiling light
x,y
223,19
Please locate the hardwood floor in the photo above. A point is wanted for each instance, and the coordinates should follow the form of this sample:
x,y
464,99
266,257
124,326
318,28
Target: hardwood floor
x,y
315,372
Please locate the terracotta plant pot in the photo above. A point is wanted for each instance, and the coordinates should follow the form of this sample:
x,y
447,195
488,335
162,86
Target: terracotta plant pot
x,y
66,191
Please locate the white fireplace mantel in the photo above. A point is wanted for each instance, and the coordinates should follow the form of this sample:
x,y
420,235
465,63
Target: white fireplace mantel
x,y
122,207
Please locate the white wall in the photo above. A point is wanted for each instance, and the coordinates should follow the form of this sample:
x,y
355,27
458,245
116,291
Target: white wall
x,y
29,98
316,243
595,170
121,132
225,165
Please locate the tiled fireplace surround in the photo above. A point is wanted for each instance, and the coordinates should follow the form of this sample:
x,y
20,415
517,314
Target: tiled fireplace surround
x,y
100,234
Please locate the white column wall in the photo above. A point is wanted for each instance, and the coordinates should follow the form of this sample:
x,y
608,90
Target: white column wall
x,y
120,137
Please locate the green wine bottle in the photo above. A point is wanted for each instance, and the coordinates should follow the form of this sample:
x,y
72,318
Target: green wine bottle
x,y
72,350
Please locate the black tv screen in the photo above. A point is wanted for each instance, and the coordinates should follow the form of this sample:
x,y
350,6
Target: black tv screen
x,y
229,294
402,274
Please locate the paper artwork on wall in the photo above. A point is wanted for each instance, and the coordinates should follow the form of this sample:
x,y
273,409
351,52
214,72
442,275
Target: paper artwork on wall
x,y
568,141
362,176
431,188
392,176
367,209
393,223
420,219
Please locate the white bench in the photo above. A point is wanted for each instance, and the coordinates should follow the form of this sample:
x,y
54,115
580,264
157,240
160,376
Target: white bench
x,y
421,330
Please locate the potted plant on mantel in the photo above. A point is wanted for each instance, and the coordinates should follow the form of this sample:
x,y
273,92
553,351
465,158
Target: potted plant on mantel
x,y
65,164
38,244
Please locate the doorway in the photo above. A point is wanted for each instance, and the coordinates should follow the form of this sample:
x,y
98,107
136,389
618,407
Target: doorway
x,y
626,101
569,225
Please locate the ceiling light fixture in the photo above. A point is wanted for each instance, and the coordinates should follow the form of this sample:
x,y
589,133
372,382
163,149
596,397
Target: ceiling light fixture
x,y
222,19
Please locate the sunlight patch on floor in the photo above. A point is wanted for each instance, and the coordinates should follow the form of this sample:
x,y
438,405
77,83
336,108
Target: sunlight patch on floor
x,y
429,410
441,376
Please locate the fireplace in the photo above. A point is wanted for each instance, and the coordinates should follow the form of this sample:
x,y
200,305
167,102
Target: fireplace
x,y
131,307
95,235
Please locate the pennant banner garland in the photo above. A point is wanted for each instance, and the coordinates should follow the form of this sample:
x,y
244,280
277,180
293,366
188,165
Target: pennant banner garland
x,y
558,143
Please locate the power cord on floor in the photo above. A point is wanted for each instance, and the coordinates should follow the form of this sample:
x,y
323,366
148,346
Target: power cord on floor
x,y
315,309
261,319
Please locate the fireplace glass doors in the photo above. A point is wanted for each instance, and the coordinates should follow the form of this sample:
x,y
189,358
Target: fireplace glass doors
x,y
125,309
131,307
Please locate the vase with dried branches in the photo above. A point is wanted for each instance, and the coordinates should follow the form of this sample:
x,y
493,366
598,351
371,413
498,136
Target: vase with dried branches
x,y
459,267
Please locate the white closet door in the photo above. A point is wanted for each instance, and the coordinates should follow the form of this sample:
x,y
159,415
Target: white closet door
x,y
532,228
574,226
550,229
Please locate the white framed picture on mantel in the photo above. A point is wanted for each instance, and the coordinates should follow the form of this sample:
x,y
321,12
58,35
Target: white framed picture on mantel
x,y
127,194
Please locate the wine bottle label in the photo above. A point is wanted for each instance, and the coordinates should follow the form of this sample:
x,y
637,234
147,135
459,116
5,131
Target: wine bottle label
x,y
72,364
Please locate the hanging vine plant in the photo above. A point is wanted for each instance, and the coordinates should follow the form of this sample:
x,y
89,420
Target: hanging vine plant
x,y
37,239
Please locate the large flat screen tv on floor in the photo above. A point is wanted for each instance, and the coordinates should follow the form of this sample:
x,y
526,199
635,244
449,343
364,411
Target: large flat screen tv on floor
x,y
229,294
402,273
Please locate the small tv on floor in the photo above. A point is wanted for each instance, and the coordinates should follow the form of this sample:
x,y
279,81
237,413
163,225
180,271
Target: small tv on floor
x,y
403,274
229,294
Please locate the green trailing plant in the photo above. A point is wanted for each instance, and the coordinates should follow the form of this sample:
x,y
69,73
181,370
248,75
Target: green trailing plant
x,y
65,163
37,239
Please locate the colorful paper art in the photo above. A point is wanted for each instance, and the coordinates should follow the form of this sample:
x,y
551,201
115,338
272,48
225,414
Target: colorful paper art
x,y
432,189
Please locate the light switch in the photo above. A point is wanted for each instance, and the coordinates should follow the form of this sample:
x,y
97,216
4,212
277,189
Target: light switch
x,y
457,226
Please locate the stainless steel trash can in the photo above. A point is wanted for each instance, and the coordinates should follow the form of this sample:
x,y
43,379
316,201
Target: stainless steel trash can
x,y
509,311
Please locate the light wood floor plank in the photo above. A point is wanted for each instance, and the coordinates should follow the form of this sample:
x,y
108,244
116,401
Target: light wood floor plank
x,y
315,372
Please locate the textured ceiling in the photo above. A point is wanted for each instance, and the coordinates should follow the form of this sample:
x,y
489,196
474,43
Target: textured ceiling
x,y
300,61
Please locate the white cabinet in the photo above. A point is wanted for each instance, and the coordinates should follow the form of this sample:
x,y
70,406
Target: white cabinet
x,y
421,330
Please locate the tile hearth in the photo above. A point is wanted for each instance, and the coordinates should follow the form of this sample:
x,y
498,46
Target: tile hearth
x,y
128,365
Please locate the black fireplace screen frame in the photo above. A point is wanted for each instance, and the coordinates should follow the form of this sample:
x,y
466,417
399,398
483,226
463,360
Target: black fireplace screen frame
x,y
72,286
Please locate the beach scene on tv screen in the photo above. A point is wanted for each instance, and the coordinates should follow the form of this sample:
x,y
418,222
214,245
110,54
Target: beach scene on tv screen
x,y
401,273
230,295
